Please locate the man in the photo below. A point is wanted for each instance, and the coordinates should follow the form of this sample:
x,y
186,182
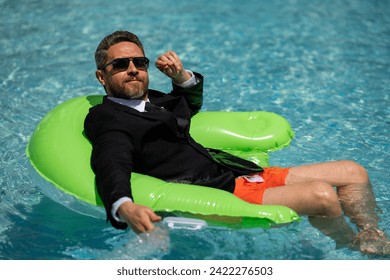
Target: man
x,y
130,134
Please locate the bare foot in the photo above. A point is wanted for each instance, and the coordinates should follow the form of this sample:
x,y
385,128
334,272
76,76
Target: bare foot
x,y
372,241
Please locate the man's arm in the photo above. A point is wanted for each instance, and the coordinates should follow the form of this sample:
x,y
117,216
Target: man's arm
x,y
185,83
112,163
111,159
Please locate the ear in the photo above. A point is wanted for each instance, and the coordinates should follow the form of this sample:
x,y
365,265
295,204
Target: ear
x,y
100,76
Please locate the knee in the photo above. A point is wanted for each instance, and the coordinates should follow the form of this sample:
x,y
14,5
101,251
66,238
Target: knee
x,y
326,199
356,172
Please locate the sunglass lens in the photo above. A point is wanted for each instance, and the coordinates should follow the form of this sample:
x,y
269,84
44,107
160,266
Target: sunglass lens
x,y
121,64
141,62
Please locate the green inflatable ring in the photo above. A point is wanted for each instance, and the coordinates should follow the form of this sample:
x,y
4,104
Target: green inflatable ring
x,y
60,153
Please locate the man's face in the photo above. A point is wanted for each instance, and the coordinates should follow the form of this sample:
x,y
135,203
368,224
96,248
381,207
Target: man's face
x,y
131,83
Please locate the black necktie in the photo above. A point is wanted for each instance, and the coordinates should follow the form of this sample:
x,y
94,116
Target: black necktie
x,y
182,123
149,107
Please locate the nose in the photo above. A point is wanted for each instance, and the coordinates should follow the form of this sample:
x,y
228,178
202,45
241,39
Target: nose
x,y
132,70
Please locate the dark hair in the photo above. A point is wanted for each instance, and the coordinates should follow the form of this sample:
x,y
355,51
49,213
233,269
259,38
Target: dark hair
x,y
112,39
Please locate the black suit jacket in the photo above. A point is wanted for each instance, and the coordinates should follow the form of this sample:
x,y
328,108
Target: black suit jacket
x,y
156,144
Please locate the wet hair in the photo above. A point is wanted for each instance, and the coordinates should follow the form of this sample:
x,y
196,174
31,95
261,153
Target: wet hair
x,y
112,39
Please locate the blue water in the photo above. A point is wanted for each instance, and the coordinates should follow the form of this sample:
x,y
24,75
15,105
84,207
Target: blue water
x,y
324,65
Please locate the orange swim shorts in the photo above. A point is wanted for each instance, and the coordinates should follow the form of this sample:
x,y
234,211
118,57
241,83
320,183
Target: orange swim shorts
x,y
252,191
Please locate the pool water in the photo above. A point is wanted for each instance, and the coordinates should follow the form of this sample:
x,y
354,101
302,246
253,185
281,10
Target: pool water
x,y
323,65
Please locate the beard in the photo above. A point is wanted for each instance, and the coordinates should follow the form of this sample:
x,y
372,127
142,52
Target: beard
x,y
128,90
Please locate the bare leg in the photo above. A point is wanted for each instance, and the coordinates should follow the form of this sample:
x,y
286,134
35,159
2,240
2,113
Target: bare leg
x,y
336,228
318,200
353,188
309,190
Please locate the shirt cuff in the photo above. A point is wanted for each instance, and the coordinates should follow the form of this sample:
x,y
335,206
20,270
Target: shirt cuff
x,y
189,83
115,207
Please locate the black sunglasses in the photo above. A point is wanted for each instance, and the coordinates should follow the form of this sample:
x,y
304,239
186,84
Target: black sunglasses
x,y
121,64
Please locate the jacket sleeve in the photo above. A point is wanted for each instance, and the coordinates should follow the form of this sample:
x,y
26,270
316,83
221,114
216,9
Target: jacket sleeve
x,y
192,95
111,160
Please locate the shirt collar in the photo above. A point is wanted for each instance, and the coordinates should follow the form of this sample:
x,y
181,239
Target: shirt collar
x,y
136,104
